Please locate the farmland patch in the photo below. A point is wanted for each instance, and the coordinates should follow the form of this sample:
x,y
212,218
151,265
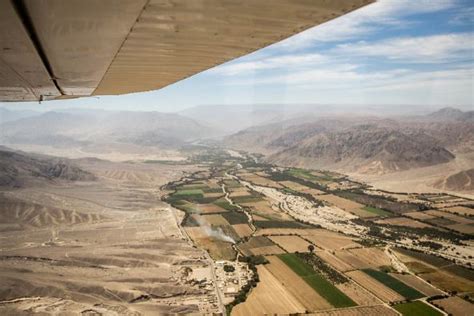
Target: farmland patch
x,y
416,309
322,286
395,284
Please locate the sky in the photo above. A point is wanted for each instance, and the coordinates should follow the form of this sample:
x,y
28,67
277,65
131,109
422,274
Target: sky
x,y
392,52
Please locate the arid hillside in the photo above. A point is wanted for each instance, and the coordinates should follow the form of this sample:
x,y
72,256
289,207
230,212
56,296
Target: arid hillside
x,y
369,145
91,236
460,181
17,168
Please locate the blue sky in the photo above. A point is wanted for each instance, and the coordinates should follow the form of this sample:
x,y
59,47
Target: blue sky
x,y
388,53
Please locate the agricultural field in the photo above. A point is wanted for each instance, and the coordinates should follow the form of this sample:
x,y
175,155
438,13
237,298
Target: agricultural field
x,y
440,272
259,180
377,288
420,215
319,237
446,200
358,294
243,230
416,308
330,240
322,178
452,221
246,210
218,249
309,298
208,208
334,261
259,246
455,306
214,219
361,258
376,211
291,243
460,210
394,284
270,296
402,221
322,286
345,204
266,223
377,310
379,201
264,209
418,284
448,281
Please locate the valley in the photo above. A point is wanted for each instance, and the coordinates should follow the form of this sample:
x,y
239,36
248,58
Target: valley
x,y
337,216
320,242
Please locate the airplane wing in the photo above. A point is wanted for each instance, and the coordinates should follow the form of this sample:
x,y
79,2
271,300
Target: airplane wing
x,y
52,49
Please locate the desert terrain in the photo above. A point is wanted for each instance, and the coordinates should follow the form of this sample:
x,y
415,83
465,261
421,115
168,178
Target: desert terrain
x,y
144,223
106,246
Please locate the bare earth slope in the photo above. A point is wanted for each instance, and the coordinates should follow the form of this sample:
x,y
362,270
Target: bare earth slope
x,y
107,246
17,168
372,147
369,148
460,181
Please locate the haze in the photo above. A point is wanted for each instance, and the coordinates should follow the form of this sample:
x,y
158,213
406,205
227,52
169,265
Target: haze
x,y
331,173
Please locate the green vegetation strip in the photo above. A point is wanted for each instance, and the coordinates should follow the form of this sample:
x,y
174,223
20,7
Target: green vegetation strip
x,y
376,211
396,285
246,199
305,174
189,192
417,308
279,224
322,286
222,202
235,217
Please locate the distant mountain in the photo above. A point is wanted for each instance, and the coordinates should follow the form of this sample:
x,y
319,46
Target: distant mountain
x,y
18,168
49,128
232,118
451,114
8,115
365,148
139,128
356,144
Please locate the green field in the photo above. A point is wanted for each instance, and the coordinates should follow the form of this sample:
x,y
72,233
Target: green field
x,y
222,202
322,286
376,211
396,285
235,217
232,183
279,224
416,309
306,174
189,192
246,199
194,186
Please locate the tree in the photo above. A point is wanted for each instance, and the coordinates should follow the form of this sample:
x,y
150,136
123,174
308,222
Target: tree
x,y
311,248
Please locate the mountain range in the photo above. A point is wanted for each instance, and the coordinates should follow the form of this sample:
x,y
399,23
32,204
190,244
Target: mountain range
x,y
362,144
328,138
17,168
103,127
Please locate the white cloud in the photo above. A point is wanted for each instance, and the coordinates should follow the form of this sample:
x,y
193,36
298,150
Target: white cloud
x,y
433,49
364,21
463,17
439,64
289,61
425,49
